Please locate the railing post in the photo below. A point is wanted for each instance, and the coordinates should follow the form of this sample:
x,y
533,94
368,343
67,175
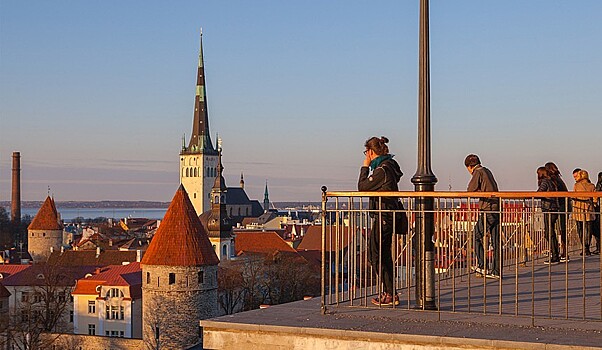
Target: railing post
x,y
323,285
424,180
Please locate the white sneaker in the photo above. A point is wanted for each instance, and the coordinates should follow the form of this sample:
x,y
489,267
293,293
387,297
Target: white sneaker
x,y
479,270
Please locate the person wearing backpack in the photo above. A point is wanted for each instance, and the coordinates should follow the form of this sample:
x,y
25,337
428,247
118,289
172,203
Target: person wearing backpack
x,y
380,172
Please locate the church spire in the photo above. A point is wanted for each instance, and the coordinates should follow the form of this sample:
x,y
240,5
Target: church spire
x,y
266,198
200,140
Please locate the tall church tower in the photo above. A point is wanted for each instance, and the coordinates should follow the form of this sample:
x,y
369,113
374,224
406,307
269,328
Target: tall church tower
x,y
198,160
179,279
45,233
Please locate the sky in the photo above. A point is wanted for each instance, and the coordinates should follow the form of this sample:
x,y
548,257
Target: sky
x,y
97,95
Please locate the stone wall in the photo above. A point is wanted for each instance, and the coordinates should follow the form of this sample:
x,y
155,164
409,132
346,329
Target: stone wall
x,y
40,241
90,342
173,311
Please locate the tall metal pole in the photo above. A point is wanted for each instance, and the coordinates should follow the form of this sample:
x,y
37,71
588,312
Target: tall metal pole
x,y
424,180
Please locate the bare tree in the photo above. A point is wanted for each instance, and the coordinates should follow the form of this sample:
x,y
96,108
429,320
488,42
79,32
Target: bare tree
x,y
231,293
41,309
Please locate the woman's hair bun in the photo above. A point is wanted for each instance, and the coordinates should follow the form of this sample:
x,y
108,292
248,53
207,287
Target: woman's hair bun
x,y
384,139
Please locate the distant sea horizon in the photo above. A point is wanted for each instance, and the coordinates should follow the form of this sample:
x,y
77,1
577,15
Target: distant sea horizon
x,y
115,209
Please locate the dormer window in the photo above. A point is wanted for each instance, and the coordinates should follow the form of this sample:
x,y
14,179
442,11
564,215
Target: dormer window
x,y
114,293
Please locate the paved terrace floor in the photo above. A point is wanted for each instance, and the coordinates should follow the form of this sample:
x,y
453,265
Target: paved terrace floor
x,y
512,328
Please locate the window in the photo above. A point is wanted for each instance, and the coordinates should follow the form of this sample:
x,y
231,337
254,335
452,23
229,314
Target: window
x,y
24,297
157,281
71,316
91,306
114,312
107,333
148,278
201,277
114,293
172,278
225,250
121,335
91,329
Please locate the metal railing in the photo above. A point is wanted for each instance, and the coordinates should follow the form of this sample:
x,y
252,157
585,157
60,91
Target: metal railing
x,y
527,287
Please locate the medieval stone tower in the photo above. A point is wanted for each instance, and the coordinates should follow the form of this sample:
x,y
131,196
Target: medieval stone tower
x,y
45,233
179,279
198,160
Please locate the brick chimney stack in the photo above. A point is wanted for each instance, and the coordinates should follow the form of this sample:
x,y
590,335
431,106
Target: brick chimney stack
x,y
15,209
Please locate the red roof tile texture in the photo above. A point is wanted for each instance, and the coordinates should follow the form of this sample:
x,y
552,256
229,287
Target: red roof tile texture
x,y
47,217
89,257
181,240
260,242
10,269
40,275
335,236
113,275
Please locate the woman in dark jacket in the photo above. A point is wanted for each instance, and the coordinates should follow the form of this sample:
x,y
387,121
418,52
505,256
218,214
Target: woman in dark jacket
x,y
380,172
549,207
564,206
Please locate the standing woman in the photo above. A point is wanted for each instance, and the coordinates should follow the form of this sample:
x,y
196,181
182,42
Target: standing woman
x,y
563,207
549,207
380,172
583,210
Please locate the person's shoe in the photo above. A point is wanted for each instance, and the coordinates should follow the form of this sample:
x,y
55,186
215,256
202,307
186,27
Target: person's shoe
x,y
479,270
493,275
386,299
551,262
564,259
588,253
596,252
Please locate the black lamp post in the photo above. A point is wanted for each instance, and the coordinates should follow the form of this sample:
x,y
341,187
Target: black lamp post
x,y
424,180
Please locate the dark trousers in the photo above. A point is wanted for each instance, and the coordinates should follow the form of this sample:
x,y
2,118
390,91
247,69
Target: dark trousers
x,y
562,221
584,229
549,224
492,228
379,252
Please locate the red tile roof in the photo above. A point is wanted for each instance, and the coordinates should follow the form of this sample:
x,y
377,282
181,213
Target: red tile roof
x,y
89,258
47,217
312,240
181,240
37,275
260,242
113,275
9,269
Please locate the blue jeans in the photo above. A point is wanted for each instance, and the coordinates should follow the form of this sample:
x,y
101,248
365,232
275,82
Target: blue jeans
x,y
492,228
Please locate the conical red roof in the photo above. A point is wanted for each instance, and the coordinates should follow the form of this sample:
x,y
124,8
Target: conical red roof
x,y
180,240
47,217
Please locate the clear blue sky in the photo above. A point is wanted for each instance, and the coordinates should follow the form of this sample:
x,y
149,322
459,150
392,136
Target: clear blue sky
x,y
96,95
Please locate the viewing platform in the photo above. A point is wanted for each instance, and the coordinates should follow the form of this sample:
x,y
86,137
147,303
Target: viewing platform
x,y
533,305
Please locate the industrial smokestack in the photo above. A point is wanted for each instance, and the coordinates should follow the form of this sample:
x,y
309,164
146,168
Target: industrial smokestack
x,y
15,209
